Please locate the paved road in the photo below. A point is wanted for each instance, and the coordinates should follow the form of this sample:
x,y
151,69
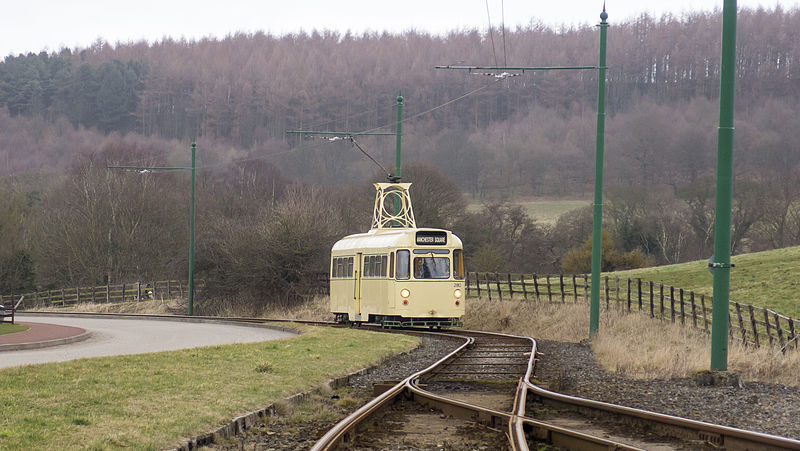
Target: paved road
x,y
134,336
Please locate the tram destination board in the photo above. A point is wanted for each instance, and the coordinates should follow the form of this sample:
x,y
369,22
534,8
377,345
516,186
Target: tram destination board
x,y
431,238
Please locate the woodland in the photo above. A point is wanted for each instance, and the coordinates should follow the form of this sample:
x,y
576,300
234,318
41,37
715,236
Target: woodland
x,y
270,204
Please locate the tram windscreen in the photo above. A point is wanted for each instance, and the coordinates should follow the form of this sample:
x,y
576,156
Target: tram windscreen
x,y
403,257
432,267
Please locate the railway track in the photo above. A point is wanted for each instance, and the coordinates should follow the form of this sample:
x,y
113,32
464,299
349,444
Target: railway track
x,y
482,395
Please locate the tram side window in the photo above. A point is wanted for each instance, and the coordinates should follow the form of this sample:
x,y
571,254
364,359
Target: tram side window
x,y
342,267
403,264
383,265
458,264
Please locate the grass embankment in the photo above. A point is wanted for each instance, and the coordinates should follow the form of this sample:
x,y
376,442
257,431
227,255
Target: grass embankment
x,y
768,279
8,328
153,400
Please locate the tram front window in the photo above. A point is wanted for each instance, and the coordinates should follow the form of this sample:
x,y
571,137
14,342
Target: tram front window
x,y
432,267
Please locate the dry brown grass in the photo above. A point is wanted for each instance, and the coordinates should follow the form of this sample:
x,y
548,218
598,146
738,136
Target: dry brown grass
x,y
563,322
317,309
633,344
173,306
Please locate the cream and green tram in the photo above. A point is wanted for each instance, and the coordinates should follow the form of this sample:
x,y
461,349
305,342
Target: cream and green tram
x,y
398,277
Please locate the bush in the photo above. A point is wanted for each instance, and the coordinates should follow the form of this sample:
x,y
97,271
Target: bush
x,y
579,259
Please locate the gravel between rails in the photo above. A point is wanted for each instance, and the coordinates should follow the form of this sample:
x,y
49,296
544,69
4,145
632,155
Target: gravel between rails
x,y
564,367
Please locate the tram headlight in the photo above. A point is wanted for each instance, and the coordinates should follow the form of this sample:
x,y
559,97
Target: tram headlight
x,y
405,293
458,293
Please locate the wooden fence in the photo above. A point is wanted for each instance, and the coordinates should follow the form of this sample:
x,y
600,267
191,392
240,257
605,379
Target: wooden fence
x,y
136,291
750,324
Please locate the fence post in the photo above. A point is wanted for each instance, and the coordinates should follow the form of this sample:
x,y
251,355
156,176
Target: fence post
x,y
629,294
180,288
766,323
108,294
730,325
792,336
169,289
499,290
510,288
672,303
694,312
606,291
639,294
753,324
466,281
549,290
617,289
478,284
741,322
536,285
524,289
683,312
561,284
138,291
586,288
488,287
780,332
77,295
652,307
703,306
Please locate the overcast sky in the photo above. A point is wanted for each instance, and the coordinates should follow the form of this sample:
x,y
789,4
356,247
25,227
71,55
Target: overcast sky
x,y
36,25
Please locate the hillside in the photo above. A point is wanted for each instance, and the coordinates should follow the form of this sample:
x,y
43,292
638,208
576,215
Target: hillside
x,y
769,279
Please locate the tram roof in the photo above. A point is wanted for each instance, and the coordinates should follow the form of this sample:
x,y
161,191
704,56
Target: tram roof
x,y
384,238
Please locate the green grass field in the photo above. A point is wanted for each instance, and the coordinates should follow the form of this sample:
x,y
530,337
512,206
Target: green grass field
x,y
541,210
768,279
8,328
152,401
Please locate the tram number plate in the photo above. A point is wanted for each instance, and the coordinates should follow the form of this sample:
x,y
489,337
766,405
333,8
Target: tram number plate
x,y
431,238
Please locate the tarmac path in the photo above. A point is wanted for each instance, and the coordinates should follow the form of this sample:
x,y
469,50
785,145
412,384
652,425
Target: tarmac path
x,y
112,336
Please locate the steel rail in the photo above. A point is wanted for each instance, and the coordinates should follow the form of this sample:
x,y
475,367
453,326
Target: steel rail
x,y
339,432
717,435
193,318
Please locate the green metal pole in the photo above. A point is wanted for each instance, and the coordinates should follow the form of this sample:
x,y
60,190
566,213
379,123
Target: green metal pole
x,y
191,237
597,221
398,138
721,263
399,134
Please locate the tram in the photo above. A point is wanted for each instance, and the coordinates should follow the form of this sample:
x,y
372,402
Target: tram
x,y
396,274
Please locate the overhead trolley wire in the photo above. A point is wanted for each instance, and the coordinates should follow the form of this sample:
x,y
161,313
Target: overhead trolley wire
x,y
503,30
491,33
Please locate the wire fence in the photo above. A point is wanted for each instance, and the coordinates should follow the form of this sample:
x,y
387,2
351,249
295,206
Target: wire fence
x,y
750,324
125,292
